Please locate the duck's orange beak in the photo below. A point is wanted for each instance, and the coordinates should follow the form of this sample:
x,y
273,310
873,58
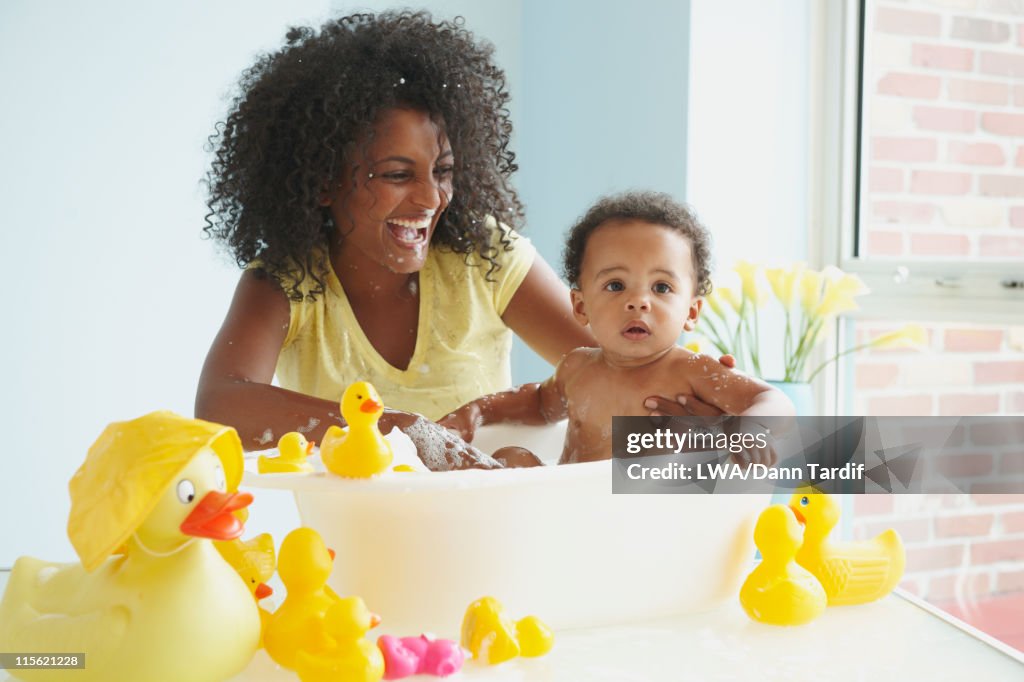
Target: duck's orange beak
x,y
374,620
370,406
309,446
332,553
212,517
799,517
263,591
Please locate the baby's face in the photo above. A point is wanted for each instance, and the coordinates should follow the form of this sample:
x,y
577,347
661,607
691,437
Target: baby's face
x,y
636,288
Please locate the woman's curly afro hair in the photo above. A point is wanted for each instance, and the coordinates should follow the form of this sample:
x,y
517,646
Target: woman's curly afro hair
x,y
302,111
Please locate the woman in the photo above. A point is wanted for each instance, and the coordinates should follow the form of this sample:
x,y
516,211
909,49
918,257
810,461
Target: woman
x,y
362,178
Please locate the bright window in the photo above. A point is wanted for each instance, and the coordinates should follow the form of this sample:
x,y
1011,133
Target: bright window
x,y
930,161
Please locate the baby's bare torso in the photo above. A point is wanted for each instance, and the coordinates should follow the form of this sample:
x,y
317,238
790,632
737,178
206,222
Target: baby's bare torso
x,y
595,392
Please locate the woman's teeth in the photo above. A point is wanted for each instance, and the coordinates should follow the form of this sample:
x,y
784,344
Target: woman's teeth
x,y
408,231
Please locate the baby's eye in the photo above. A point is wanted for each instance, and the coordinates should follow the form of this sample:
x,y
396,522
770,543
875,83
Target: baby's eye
x,y
614,286
662,288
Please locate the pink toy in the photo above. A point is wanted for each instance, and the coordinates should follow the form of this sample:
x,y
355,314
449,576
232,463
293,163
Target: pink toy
x,y
419,655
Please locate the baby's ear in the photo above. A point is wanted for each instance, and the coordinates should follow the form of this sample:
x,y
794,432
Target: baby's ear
x,y
693,314
578,309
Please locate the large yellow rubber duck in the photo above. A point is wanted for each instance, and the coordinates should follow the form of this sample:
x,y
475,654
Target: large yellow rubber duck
x,y
349,656
780,591
360,451
169,608
254,562
492,637
304,564
293,449
850,572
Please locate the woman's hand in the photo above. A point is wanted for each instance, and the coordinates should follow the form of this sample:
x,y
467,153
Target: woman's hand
x,y
438,448
686,405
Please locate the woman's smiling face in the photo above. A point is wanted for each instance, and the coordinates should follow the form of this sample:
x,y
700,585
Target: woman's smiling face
x,y
390,199
636,289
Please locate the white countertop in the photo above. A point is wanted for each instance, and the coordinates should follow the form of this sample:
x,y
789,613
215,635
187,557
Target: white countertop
x,y
895,638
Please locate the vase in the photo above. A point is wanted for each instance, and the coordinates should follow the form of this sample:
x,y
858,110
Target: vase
x,y
802,395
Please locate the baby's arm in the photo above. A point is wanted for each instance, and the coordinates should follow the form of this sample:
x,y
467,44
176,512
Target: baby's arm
x,y
531,404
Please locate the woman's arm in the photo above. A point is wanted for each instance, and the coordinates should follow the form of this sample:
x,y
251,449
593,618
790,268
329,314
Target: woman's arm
x,y
541,315
234,387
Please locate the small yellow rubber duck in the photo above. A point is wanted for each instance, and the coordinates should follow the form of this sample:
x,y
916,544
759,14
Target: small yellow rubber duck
x,y
169,608
850,572
349,656
293,448
304,564
491,636
780,591
360,451
254,562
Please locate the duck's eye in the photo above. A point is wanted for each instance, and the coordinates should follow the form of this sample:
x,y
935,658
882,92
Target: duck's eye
x,y
804,501
186,491
219,479
359,397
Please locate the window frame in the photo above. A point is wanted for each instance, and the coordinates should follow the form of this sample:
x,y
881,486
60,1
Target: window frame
x,y
923,290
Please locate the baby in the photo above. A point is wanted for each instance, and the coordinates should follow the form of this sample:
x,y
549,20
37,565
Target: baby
x,y
638,265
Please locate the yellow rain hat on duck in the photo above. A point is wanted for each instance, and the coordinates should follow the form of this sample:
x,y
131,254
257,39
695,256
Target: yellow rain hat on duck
x,y
128,468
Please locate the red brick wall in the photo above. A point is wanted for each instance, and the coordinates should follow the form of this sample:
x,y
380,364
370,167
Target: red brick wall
x,y
968,547
944,130
944,179
966,369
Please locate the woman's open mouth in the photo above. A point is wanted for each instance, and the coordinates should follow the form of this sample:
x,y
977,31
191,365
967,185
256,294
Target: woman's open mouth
x,y
410,233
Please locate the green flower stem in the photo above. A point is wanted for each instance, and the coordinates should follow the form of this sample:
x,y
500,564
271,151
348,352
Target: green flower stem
x,y
837,356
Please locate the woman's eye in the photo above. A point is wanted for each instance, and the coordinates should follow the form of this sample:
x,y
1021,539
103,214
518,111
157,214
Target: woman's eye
x,y
444,171
662,288
186,491
395,176
614,286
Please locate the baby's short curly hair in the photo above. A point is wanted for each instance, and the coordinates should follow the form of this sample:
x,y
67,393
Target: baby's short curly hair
x,y
302,111
650,207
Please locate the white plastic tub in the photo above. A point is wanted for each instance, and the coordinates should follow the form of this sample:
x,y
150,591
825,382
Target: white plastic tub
x,y
551,541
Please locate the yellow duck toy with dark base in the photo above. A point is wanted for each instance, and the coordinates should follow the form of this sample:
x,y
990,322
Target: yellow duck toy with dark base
x,y
850,572
360,451
304,564
293,448
167,609
780,591
348,655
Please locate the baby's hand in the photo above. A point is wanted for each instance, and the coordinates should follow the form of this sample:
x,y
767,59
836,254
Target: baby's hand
x,y
463,421
439,449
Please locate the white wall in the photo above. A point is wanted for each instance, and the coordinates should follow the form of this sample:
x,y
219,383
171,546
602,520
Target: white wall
x,y
747,163
112,296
